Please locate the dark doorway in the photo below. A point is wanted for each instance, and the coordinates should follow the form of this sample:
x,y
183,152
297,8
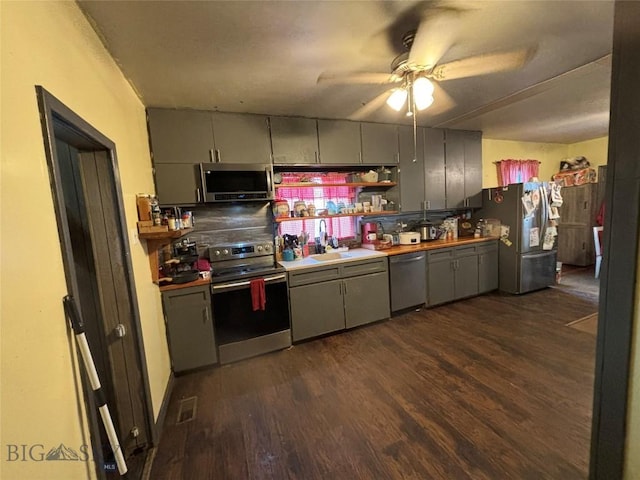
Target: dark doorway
x,y
85,184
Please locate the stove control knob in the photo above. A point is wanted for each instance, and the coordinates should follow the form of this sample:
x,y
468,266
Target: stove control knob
x,y
225,252
267,247
259,248
217,253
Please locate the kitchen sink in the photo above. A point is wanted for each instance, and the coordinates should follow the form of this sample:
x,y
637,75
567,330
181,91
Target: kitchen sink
x,y
323,257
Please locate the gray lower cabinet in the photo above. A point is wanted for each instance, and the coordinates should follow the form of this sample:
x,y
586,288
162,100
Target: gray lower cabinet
x,y
178,183
189,325
294,140
487,267
366,299
327,299
316,309
379,143
339,142
452,273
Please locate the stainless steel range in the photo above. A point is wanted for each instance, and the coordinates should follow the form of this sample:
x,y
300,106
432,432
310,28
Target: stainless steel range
x,y
250,300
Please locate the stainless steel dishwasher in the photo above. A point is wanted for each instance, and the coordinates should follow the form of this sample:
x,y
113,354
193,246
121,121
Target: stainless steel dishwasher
x,y
408,273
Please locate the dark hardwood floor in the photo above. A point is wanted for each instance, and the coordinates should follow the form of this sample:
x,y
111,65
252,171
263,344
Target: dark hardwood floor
x,y
494,387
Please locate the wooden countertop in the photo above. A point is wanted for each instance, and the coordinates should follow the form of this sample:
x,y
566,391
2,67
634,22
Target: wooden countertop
x,y
434,245
176,286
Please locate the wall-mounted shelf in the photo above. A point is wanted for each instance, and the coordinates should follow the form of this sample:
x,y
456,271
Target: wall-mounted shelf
x,y
360,214
157,240
321,185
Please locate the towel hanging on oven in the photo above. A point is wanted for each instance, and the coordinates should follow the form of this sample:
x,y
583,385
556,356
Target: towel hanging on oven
x,y
258,296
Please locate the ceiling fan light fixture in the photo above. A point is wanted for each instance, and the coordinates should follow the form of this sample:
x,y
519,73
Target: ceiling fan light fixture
x,y
397,98
422,93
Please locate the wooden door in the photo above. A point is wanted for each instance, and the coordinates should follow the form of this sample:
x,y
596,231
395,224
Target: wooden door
x,y
113,299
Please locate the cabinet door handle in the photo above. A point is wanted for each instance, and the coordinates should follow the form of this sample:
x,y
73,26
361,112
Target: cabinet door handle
x,y
398,158
317,157
480,257
205,315
212,155
218,155
344,286
198,195
428,203
360,156
340,288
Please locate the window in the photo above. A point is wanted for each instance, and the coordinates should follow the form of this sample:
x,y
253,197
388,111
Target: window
x,y
319,196
516,171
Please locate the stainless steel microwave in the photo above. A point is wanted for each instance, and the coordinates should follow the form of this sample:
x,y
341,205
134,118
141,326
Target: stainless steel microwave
x,y
231,182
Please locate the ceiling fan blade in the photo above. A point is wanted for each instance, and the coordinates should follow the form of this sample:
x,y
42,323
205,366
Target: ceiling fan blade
x,y
483,64
442,101
371,106
357,77
435,35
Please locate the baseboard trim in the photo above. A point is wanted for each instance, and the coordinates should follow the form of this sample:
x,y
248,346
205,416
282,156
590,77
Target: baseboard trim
x,y
162,414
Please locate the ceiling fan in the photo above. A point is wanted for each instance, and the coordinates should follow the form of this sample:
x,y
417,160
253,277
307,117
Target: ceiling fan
x,y
416,73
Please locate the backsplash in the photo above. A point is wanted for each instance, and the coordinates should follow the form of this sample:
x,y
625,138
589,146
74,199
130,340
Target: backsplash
x,y
231,223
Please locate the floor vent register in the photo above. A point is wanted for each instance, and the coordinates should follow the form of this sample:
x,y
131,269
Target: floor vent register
x,y
187,410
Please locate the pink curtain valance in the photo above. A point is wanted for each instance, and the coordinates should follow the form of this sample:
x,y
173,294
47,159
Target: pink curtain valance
x,y
516,171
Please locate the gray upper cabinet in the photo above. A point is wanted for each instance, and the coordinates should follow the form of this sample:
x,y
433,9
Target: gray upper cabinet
x,y
241,138
463,159
339,142
434,169
422,179
180,136
454,169
411,170
473,168
294,140
177,183
379,143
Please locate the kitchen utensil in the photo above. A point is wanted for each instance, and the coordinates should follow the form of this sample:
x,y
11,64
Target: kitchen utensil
x,y
409,238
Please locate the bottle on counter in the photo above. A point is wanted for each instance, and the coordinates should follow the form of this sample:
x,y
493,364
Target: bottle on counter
x,y
171,222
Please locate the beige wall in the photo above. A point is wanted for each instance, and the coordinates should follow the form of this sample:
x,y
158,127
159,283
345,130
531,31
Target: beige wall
x,y
549,155
596,151
51,44
632,459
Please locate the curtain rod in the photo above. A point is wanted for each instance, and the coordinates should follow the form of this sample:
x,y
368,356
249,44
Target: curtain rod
x,y
532,160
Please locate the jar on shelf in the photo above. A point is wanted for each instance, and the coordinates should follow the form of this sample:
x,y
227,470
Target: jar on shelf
x,y
281,208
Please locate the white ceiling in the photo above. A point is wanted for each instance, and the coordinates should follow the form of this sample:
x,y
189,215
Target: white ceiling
x,y
265,57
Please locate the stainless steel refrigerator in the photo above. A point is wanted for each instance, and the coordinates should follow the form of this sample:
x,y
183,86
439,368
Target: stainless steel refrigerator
x,y
527,263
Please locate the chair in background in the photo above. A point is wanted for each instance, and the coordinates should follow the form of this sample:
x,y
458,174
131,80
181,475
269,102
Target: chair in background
x,y
597,241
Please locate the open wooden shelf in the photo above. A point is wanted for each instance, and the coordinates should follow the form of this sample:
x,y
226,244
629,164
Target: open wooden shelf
x,y
360,214
320,185
157,240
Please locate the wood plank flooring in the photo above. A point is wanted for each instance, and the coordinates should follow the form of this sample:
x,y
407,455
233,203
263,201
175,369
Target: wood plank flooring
x,y
494,387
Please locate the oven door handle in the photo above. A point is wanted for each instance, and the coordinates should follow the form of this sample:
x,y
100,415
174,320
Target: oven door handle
x,y
222,286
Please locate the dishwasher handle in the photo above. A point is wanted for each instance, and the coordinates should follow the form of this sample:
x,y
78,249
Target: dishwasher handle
x,y
398,260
